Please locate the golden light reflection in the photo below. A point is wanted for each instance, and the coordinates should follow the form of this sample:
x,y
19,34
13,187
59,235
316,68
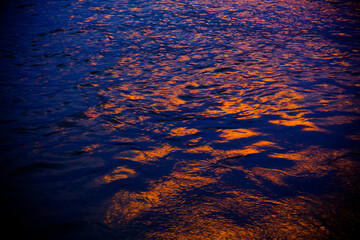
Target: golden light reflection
x,y
287,217
183,131
146,156
314,123
90,149
299,122
202,217
188,175
256,147
121,172
355,137
204,87
312,162
126,205
231,134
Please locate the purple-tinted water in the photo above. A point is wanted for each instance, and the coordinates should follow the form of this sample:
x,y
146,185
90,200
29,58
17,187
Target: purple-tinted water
x,y
194,119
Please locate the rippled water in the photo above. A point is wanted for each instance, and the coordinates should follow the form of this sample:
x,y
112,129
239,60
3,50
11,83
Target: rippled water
x,y
193,119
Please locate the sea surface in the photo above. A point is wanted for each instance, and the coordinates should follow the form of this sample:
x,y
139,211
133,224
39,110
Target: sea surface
x,y
191,119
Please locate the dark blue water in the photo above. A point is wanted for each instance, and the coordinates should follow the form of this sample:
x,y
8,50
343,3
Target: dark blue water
x,y
194,119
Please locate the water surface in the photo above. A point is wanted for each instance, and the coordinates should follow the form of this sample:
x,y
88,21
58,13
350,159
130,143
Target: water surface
x,y
194,119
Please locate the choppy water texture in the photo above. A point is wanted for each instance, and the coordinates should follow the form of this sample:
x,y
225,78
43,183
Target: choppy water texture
x,y
193,119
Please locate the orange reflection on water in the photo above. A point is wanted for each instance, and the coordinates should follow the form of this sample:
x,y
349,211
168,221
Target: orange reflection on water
x,y
126,205
146,156
298,122
183,131
256,147
218,92
312,162
118,173
231,134
287,217
199,214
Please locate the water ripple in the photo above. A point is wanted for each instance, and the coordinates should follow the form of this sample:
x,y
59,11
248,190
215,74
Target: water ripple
x,y
199,119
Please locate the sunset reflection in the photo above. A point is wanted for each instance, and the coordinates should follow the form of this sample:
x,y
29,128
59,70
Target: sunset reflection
x,y
194,119
117,174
